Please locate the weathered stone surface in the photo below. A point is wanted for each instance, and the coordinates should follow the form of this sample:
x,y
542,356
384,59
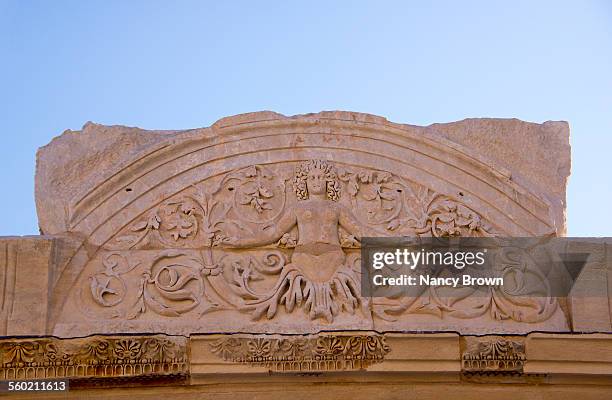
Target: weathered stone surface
x,y
95,357
253,225
568,354
24,282
590,301
538,155
75,160
242,240
369,365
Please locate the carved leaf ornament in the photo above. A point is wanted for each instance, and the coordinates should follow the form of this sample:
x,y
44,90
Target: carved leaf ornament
x,y
223,246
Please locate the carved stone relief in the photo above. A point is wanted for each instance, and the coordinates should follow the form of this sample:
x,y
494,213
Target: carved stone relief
x,y
304,354
254,225
94,357
280,239
493,355
504,303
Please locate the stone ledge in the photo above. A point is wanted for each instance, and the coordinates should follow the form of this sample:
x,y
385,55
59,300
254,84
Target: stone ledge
x,y
585,354
351,356
95,357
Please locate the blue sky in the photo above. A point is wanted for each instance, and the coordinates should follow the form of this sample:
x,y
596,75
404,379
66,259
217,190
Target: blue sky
x,y
185,64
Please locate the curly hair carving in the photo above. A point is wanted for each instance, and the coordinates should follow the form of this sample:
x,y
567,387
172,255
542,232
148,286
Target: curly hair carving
x,y
301,175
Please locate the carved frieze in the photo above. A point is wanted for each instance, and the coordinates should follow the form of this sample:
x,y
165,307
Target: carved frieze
x,y
493,355
499,303
255,223
249,201
303,354
281,239
94,357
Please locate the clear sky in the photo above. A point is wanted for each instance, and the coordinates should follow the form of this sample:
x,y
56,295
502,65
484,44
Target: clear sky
x,y
185,64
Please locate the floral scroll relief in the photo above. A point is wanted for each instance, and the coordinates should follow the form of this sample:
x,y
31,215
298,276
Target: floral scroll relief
x,y
318,277
194,219
171,285
107,287
257,196
525,298
407,209
314,268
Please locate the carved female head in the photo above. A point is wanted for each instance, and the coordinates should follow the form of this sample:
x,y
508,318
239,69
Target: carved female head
x,y
316,177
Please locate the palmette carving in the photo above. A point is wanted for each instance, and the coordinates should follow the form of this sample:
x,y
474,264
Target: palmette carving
x,y
496,355
93,357
309,354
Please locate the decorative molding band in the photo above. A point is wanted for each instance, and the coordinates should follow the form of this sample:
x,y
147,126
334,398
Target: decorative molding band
x,y
496,355
94,357
129,360
308,354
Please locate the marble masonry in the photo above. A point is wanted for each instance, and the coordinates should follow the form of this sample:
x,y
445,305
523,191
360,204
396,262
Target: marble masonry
x,y
225,262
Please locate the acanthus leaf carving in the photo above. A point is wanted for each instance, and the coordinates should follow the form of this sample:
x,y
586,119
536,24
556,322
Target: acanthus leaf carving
x,y
109,281
407,209
315,233
515,302
171,285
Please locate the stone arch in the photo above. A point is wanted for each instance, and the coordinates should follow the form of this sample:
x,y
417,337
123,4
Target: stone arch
x,y
125,191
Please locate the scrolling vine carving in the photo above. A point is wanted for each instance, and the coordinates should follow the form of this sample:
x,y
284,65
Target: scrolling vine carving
x,y
252,243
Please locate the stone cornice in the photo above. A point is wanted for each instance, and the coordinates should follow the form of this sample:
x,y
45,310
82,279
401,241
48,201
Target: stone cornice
x,y
258,362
